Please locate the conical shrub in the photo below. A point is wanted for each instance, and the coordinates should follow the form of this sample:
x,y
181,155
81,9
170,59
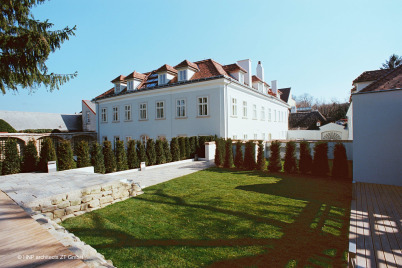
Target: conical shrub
x,y
239,155
192,146
320,161
142,153
151,152
229,154
260,156
11,163
175,149
166,149
65,158
340,168
109,158
306,161
47,153
249,156
219,148
290,165
160,153
275,164
30,158
121,157
132,157
82,152
97,159
182,146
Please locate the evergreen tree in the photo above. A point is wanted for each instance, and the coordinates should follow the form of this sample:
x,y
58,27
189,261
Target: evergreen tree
x,y
47,153
187,145
121,157
11,163
25,45
160,153
229,154
30,158
219,159
151,152
175,149
201,146
182,146
249,156
192,146
97,159
275,163
166,149
306,161
142,155
320,161
260,156
340,169
65,158
6,127
1,168
290,165
82,152
108,156
197,146
239,155
132,157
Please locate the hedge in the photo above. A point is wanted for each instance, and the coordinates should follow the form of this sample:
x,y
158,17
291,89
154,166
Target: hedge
x,y
47,153
228,154
142,155
340,169
219,152
6,127
30,158
82,152
132,157
160,153
11,163
121,157
175,149
260,156
249,156
166,149
182,146
151,154
65,158
305,161
320,161
97,159
109,158
290,165
238,162
275,163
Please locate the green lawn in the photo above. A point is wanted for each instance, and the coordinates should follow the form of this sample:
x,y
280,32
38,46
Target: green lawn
x,y
219,217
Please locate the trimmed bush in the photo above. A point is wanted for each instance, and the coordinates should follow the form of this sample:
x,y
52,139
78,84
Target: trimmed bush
x,y
65,158
47,153
275,163
151,154
187,145
108,156
132,157
182,146
306,161
166,149
320,161
142,154
260,156
97,159
290,165
11,163
228,154
249,156
6,127
121,157
340,169
1,168
82,151
30,158
201,144
175,149
220,147
160,153
239,155
192,146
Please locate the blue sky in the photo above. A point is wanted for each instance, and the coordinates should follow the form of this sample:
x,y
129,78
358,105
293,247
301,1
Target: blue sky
x,y
314,46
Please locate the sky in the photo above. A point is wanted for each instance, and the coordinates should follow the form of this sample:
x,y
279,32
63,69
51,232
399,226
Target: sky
x,y
313,46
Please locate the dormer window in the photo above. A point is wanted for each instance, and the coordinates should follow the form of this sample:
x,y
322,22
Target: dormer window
x,y
130,85
162,79
116,88
182,75
241,77
260,87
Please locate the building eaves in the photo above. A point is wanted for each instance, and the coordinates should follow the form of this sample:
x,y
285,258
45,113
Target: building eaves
x,y
391,80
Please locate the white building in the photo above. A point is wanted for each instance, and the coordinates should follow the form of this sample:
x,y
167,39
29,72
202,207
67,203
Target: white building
x,y
200,98
88,116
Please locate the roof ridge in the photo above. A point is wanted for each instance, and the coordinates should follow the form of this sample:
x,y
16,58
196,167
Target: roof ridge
x,y
380,81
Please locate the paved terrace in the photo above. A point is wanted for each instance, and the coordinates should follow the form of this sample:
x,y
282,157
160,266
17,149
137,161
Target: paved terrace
x,y
25,188
376,225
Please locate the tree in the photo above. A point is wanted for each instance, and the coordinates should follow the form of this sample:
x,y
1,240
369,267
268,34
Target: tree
x,y
340,169
306,161
228,154
393,62
182,146
108,155
6,127
121,157
82,152
47,153
260,156
160,153
142,155
97,159
320,161
192,145
290,165
175,149
166,149
220,147
65,158
11,163
151,152
239,155
275,163
188,148
249,156
30,158
304,101
25,45
132,157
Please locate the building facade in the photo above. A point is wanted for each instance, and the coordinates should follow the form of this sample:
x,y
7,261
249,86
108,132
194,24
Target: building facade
x,y
192,99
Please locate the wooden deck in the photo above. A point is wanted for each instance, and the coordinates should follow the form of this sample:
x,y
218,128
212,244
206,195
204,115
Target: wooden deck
x,y
376,225
24,243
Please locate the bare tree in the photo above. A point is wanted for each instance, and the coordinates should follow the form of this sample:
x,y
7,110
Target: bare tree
x,y
304,100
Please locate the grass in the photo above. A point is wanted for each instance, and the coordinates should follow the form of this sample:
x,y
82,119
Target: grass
x,y
229,218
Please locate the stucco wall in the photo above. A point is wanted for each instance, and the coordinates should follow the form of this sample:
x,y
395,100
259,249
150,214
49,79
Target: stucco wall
x,y
377,132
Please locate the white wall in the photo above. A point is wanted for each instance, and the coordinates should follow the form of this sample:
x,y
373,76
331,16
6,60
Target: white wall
x,y
318,134
361,85
377,133
91,126
349,115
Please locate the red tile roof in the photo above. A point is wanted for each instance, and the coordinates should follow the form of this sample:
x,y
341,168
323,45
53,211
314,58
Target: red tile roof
x,y
370,75
107,93
230,68
255,78
187,63
167,68
117,79
136,75
392,80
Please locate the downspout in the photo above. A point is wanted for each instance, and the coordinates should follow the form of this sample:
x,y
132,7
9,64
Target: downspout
x,y
97,121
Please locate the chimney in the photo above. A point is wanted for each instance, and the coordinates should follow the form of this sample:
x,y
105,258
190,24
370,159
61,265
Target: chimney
x,y
260,71
274,88
246,65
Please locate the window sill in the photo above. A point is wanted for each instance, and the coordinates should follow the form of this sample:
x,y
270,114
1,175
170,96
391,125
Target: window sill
x,y
255,119
105,122
143,119
233,116
128,120
115,121
245,117
160,118
203,116
184,117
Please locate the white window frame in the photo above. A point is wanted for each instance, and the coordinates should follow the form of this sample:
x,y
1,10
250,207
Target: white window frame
x,y
234,107
241,77
104,115
235,137
162,79
245,137
183,75
274,115
244,109
255,136
160,110
181,108
263,136
143,107
269,115
259,86
203,105
130,85
88,119
262,113
144,138
127,112
116,116
117,88
254,111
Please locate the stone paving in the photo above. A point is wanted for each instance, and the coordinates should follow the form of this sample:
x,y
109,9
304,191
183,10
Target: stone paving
x,y
25,188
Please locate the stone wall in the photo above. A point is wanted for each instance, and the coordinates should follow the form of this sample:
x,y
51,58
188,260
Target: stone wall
x,y
64,206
